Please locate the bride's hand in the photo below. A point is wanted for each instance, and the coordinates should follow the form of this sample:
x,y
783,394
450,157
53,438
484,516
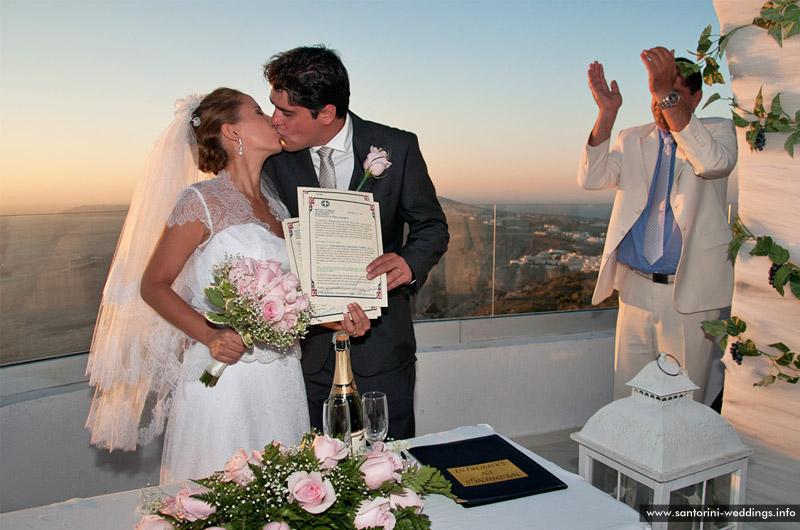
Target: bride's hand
x,y
226,345
354,321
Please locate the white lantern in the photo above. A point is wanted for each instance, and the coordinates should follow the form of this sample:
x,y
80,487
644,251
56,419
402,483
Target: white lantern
x,y
660,447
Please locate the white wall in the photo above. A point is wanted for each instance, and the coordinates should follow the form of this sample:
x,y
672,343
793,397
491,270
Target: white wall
x,y
523,375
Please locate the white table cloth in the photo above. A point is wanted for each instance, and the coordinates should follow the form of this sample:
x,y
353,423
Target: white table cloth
x,y
579,507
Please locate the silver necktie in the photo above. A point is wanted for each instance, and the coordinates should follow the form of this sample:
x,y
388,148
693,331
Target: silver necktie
x,y
327,173
654,230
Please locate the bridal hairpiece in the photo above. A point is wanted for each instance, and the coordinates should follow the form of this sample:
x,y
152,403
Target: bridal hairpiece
x,y
184,108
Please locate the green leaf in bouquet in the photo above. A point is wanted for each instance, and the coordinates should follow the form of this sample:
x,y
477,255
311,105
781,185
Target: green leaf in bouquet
x,y
217,318
715,328
214,295
763,244
736,326
247,338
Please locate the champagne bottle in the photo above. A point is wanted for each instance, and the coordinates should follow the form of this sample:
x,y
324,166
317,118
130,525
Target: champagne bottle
x,y
344,386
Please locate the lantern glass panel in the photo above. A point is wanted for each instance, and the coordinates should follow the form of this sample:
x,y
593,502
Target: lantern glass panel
x,y
634,493
604,478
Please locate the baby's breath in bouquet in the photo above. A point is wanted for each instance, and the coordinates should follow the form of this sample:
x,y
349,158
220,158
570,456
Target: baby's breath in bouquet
x,y
314,485
258,300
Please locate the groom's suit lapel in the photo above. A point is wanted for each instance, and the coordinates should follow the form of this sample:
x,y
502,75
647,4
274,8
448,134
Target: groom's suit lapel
x,y
303,168
360,151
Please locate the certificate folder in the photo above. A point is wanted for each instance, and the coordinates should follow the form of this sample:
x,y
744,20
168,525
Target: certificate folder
x,y
487,469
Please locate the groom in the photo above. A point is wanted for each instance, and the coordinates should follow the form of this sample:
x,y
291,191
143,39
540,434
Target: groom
x,y
311,95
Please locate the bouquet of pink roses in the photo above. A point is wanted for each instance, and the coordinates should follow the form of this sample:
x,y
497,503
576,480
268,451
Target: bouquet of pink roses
x,y
314,485
259,301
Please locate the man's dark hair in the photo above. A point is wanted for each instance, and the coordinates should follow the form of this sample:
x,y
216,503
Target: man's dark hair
x,y
312,77
695,80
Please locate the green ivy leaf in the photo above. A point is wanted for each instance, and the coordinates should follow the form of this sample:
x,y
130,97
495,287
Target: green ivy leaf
x,y
778,254
688,69
785,359
735,245
775,106
789,379
715,328
780,346
781,277
792,140
794,284
715,96
736,326
766,381
759,110
723,42
748,348
723,342
777,33
739,121
711,73
763,244
704,43
791,21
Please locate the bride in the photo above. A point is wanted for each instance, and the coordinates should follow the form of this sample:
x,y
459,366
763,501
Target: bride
x,y
146,364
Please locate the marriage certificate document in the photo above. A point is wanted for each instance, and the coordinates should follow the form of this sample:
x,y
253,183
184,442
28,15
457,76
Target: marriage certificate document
x,y
339,233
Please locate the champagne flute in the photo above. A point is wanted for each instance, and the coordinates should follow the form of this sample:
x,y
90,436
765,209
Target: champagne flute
x,y
336,418
376,416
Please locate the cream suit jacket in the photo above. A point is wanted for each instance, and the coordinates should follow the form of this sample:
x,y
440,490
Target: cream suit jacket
x,y
706,155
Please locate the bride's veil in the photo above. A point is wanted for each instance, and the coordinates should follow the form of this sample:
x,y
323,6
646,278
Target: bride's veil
x,y
135,354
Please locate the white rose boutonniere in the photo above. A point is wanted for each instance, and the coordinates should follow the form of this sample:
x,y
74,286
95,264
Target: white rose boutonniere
x,y
376,163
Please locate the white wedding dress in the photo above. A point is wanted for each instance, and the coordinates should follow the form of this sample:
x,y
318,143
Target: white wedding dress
x,y
256,400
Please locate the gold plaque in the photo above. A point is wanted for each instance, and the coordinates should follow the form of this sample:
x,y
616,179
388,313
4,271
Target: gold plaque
x,y
486,473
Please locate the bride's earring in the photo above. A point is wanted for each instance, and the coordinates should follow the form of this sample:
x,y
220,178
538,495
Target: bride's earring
x,y
240,147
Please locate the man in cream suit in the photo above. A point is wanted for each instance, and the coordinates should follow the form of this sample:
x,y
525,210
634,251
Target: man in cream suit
x,y
666,248
311,95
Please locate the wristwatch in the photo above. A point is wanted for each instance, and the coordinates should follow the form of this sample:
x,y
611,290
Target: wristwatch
x,y
670,100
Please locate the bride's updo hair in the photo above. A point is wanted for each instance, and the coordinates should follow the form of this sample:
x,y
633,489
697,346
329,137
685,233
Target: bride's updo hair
x,y
218,108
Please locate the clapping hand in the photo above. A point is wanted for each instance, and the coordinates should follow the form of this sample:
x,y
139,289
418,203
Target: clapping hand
x,y
661,70
607,98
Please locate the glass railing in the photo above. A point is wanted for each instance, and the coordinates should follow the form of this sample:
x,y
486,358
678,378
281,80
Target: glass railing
x,y
502,260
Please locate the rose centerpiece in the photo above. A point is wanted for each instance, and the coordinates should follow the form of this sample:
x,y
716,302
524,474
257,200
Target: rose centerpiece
x,y
313,485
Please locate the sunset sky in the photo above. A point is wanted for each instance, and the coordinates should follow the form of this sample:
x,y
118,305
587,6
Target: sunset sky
x,y
495,90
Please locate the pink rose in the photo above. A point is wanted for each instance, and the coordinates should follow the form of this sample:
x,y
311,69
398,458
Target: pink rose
x,y
191,508
153,522
241,275
329,451
408,499
267,275
380,466
237,469
288,323
282,449
272,308
311,492
377,161
276,526
374,513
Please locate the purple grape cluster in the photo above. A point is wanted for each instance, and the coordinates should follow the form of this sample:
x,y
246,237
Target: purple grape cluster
x,y
735,352
761,140
772,271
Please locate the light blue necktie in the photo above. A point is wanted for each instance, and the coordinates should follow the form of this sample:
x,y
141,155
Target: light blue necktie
x,y
327,173
654,230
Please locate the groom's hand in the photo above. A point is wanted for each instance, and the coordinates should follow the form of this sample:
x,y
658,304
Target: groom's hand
x,y
397,270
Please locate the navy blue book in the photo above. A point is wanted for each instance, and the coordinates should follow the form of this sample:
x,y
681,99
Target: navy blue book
x,y
487,469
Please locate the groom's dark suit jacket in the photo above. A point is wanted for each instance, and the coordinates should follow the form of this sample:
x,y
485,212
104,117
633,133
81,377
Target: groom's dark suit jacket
x,y
406,196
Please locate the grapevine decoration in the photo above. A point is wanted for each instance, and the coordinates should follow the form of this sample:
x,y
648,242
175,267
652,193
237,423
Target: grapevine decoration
x,y
781,19
786,365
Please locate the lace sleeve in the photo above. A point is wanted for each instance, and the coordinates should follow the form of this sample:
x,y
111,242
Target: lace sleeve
x,y
190,206
276,206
